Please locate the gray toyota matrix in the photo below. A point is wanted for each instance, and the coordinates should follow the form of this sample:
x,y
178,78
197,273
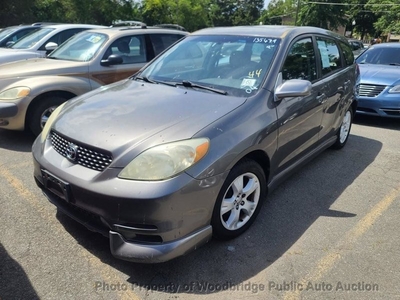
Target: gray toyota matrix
x,y
188,147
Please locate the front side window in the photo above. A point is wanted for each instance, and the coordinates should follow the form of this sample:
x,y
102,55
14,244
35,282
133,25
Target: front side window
x,y
131,48
31,40
81,47
234,64
330,55
300,62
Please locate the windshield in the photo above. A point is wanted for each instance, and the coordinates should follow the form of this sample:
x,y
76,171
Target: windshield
x,y
31,39
234,64
81,47
6,32
383,56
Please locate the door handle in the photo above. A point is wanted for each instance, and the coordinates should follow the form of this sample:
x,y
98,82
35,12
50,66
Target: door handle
x,y
322,98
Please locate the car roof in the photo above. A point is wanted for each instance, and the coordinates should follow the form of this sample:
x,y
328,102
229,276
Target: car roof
x,y
387,45
273,31
120,31
71,26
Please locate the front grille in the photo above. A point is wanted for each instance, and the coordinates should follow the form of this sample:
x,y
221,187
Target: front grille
x,y
89,158
369,90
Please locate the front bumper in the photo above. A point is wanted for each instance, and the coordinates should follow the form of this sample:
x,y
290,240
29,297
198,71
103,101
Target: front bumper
x,y
389,108
12,113
146,221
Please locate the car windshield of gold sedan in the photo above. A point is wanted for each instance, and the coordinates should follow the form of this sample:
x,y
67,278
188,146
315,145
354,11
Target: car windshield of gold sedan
x,y
235,65
81,47
31,39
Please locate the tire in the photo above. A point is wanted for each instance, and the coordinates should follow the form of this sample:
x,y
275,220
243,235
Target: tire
x,y
41,111
344,130
234,210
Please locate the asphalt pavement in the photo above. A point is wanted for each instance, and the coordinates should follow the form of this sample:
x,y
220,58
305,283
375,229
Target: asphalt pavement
x,y
329,232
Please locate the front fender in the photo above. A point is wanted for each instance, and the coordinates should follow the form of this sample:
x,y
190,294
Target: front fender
x,y
43,84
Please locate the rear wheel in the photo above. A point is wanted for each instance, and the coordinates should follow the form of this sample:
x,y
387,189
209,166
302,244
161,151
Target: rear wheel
x,y
239,200
40,113
344,130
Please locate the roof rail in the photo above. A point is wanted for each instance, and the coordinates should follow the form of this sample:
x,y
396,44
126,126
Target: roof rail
x,y
171,26
128,23
44,23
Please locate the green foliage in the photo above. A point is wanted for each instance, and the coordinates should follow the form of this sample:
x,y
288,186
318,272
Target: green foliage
x,y
388,15
235,12
321,15
369,19
277,10
363,18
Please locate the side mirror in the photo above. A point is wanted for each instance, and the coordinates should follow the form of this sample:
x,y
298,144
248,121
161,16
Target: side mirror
x,y
293,88
9,44
50,46
113,59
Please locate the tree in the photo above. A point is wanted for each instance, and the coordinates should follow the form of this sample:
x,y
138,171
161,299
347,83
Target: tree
x,y
276,10
328,16
388,12
364,19
235,12
14,12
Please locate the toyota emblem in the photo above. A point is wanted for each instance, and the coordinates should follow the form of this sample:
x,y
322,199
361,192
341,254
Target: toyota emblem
x,y
72,152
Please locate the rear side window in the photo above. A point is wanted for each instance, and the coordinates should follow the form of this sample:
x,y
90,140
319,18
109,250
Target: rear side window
x,y
348,54
162,41
330,55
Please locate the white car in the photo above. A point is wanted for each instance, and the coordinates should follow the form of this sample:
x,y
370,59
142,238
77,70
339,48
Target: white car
x,y
42,42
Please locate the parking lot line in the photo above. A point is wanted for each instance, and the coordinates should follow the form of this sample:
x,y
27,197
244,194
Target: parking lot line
x,y
105,271
330,259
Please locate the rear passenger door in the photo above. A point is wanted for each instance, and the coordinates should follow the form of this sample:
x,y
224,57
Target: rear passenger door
x,y
337,84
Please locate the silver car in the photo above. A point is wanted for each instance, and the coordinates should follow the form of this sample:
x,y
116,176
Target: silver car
x,y
31,89
189,147
41,42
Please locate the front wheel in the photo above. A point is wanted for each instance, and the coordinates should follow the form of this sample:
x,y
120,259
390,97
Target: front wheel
x,y
40,113
239,200
344,130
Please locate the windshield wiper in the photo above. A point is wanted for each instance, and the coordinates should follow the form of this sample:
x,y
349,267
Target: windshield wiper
x,y
394,64
187,83
145,79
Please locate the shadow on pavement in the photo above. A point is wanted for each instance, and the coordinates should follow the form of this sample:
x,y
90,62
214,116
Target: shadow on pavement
x,y
287,214
387,123
15,283
16,140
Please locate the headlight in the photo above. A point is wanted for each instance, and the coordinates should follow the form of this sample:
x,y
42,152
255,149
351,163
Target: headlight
x,y
395,89
50,121
165,161
15,93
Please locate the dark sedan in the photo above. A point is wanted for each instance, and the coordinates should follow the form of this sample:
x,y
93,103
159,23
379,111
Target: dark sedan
x,y
189,147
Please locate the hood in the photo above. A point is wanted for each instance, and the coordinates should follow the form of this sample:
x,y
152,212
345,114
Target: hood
x,y
10,55
119,116
379,74
40,67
